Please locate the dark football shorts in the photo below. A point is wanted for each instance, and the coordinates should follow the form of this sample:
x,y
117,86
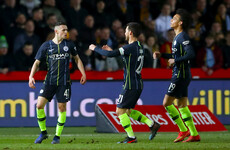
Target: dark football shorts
x,y
63,92
128,98
178,89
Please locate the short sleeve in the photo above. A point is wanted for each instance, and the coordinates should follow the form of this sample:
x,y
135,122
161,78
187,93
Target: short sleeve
x,y
73,49
125,50
41,54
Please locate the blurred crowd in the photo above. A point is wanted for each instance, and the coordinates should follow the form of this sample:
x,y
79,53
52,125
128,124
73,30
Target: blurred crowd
x,y
26,24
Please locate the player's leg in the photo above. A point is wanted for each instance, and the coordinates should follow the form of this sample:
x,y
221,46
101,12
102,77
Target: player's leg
x,y
41,119
60,123
188,119
126,123
126,101
154,126
63,95
174,114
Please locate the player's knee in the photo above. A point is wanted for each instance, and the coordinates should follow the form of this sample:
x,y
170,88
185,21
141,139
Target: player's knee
x,y
62,108
39,106
165,104
118,113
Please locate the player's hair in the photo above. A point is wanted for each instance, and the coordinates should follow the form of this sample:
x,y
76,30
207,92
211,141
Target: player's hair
x,y
135,28
184,17
59,23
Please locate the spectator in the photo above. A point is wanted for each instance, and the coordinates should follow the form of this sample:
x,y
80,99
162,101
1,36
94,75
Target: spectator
x,y
174,5
227,4
6,63
105,37
28,35
51,20
24,58
101,17
10,12
97,35
223,18
116,24
153,46
50,7
226,51
106,63
120,34
39,22
148,61
123,11
193,38
149,28
216,28
18,28
219,39
75,15
84,53
86,34
163,23
144,14
195,44
167,48
30,5
210,57
201,7
198,25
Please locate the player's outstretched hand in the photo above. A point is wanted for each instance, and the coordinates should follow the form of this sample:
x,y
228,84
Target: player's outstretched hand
x,y
31,83
106,47
156,55
171,62
92,47
83,80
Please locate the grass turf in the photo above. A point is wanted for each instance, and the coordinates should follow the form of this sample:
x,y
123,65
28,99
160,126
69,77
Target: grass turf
x,y
84,138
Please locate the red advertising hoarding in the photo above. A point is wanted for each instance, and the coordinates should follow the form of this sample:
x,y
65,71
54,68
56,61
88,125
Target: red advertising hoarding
x,y
202,117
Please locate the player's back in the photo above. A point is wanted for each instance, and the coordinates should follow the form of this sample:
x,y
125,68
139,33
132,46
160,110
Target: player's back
x,y
133,58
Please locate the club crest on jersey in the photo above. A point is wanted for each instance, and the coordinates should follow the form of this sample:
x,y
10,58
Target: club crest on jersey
x,y
174,43
65,48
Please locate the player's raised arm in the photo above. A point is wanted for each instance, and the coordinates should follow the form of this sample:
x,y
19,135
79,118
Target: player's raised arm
x,y
34,69
81,68
109,52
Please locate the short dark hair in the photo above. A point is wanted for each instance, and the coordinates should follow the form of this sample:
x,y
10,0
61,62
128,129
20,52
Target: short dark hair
x,y
28,43
184,17
60,23
36,9
135,28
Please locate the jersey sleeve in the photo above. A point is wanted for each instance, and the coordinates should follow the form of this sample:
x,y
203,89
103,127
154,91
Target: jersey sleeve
x,y
73,49
41,54
125,50
112,53
166,55
189,52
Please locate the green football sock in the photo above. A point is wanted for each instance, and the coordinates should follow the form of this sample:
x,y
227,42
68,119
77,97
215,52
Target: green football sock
x,y
174,114
136,115
187,117
125,122
41,119
61,122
